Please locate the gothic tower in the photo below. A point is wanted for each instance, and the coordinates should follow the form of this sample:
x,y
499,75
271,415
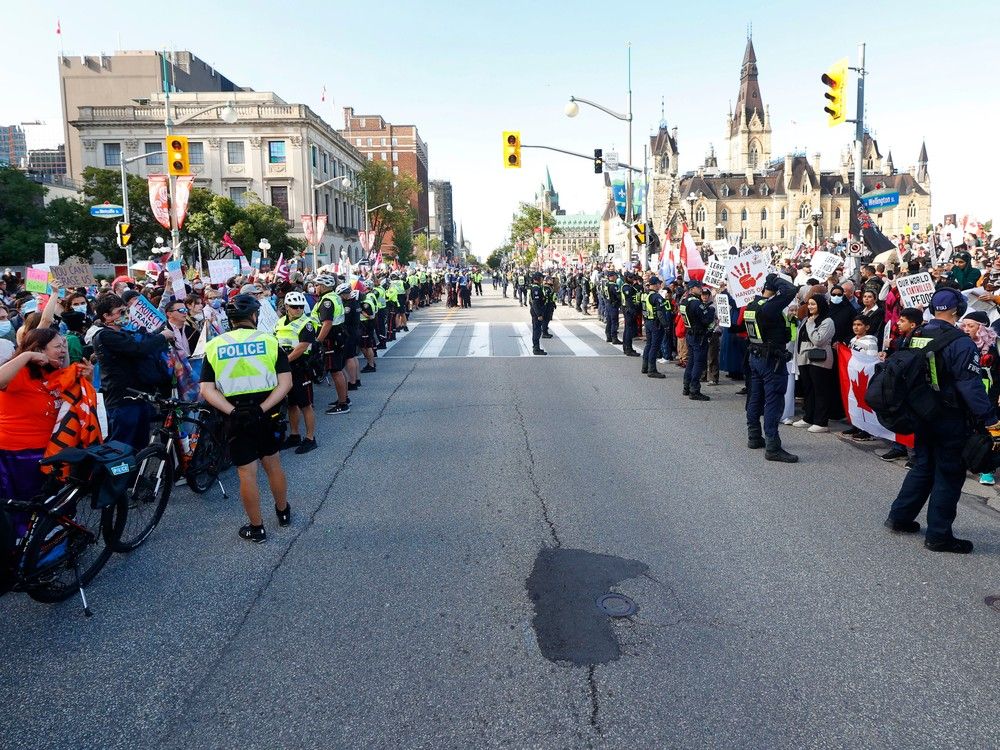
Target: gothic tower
x,y
748,128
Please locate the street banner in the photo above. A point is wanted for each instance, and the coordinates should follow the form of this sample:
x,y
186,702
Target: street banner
x,y
320,227
73,275
366,238
856,370
267,318
915,290
36,281
722,310
51,254
159,198
145,314
308,229
825,264
694,266
618,191
745,277
220,271
182,195
715,273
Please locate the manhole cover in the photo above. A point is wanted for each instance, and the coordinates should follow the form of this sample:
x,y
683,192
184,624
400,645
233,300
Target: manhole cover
x,y
993,602
617,605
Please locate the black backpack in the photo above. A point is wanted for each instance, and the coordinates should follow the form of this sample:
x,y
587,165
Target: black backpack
x,y
900,392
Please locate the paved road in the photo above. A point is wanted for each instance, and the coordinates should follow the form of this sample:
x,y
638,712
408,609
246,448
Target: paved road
x,y
437,586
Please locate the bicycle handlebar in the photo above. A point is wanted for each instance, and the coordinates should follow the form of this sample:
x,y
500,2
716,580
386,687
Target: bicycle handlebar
x,y
162,401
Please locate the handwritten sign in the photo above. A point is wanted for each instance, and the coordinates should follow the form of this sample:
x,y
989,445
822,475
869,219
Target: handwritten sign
x,y
73,275
255,259
37,281
915,290
176,279
267,318
825,264
715,273
745,277
221,271
723,311
145,314
52,253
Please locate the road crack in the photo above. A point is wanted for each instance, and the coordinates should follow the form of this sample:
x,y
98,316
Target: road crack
x,y
536,490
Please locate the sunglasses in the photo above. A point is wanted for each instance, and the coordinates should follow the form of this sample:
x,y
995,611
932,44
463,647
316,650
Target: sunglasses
x,y
295,307
180,310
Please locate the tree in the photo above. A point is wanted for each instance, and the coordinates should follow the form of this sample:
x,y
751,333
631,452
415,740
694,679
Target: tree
x,y
22,218
495,259
383,187
422,252
527,220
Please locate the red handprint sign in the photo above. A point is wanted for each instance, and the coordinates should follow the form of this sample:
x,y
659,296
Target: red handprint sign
x,y
743,273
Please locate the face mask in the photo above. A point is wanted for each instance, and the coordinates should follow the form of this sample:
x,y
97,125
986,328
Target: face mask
x,y
311,289
80,308
199,316
836,300
5,327
199,287
216,303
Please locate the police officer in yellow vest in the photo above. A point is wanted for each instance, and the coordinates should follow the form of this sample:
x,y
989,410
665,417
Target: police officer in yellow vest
x,y
332,337
245,376
381,302
296,335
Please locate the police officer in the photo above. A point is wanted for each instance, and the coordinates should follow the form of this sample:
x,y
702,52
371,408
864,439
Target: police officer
x,y
296,333
699,318
655,321
537,298
521,287
245,376
631,297
938,469
332,338
612,302
767,334
550,305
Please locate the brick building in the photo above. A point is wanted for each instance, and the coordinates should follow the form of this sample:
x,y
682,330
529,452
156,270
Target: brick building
x,y
399,146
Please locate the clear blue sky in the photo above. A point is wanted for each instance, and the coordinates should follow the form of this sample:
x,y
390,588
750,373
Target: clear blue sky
x,y
464,72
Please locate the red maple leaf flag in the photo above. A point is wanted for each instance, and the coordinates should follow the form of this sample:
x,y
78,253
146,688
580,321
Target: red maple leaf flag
x,y
856,370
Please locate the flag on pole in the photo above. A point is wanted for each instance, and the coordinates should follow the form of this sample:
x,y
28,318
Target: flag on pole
x,y
58,28
694,266
668,262
281,270
322,97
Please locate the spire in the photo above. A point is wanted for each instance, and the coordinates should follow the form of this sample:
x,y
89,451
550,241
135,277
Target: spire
x,y
461,235
889,168
923,153
548,181
922,163
663,113
749,99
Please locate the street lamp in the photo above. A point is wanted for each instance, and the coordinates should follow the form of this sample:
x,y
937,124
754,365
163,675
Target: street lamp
x,y
125,211
315,215
817,215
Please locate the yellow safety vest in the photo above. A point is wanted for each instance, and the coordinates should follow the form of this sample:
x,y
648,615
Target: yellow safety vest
x,y
750,321
648,311
379,297
338,308
287,331
243,361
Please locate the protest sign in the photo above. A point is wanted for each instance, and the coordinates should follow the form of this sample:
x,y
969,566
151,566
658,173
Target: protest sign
x,y
146,315
37,280
176,279
825,264
220,271
267,318
73,275
255,259
51,254
715,273
915,290
745,277
722,310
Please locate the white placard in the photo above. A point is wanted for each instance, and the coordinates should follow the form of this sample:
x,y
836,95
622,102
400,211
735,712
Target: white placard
x,y
745,277
825,264
722,310
221,271
51,254
715,273
267,318
915,290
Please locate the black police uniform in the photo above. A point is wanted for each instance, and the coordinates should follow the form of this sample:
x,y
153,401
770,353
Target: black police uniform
x,y
631,299
656,320
550,307
612,303
698,320
536,298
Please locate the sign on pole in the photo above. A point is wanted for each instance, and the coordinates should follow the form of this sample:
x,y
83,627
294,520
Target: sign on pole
x,y
879,200
745,277
915,290
107,211
722,310
220,271
715,273
825,264
611,160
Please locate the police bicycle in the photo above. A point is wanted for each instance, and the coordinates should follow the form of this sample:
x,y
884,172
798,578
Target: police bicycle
x,y
199,455
54,544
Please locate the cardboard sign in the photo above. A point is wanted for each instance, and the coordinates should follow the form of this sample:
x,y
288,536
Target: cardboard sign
x,y
825,264
73,275
722,310
221,271
715,273
915,290
51,253
267,318
745,277
37,281
146,315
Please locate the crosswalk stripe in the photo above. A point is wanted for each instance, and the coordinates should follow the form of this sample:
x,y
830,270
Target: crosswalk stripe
x,y
594,328
524,342
436,342
575,344
400,335
479,344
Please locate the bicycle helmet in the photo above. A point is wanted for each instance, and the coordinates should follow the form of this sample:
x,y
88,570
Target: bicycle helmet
x,y
342,289
295,299
242,307
354,294
326,280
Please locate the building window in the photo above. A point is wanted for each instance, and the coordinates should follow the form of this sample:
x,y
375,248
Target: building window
x,y
385,142
152,148
763,233
315,156
395,156
743,215
384,155
699,215
238,195
276,154
804,211
112,154
326,163
782,231
234,152
362,122
357,141
783,214
369,141
395,169
395,141
725,191
743,233
326,204
279,198
763,190
836,212
196,152
838,189
724,216
744,190
763,214
911,210
370,156
754,156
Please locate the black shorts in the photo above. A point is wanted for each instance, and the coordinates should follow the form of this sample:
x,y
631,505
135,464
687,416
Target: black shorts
x,y
351,348
333,358
367,334
253,444
301,394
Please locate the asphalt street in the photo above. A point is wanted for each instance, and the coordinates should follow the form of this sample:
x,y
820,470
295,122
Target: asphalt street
x,y
438,585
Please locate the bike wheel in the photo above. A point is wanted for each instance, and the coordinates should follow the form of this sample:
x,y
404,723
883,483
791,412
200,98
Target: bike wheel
x,y
147,498
206,461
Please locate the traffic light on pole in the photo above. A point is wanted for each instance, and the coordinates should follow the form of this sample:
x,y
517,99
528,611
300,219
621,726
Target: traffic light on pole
x,y
124,233
512,149
598,161
835,80
640,233
178,160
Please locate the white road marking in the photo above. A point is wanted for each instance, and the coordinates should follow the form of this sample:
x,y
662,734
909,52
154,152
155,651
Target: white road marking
x,y
479,344
575,344
436,342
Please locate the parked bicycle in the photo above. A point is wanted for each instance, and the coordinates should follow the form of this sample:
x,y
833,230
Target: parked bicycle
x,y
53,545
198,454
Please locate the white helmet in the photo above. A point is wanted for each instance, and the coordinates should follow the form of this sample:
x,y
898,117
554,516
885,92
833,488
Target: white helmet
x,y
295,299
342,288
327,280
354,294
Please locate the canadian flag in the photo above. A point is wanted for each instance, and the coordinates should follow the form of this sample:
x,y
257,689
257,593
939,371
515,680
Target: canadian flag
x,y
856,369
694,266
668,259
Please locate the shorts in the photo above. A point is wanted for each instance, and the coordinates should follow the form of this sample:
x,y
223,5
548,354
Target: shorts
x,y
367,334
301,394
351,348
333,358
255,443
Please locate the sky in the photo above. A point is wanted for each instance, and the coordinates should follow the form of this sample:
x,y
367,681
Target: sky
x,y
465,72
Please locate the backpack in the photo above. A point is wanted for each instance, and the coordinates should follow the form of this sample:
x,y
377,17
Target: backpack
x,y
901,393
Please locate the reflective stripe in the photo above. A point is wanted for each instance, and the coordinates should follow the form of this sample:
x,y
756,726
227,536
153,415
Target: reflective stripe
x,y
750,321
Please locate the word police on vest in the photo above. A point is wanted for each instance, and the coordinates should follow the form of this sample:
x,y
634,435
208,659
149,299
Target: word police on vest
x,y
244,349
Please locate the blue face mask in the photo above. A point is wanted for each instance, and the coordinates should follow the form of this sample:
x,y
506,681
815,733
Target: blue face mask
x,y
216,303
5,327
80,308
836,300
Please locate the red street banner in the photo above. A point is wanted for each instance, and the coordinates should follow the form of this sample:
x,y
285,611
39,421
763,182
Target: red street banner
x,y
159,199
367,238
182,193
856,370
308,229
320,227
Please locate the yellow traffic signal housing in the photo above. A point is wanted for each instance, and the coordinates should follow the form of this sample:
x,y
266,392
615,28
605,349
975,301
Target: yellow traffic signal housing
x,y
512,149
640,233
835,80
178,160
124,233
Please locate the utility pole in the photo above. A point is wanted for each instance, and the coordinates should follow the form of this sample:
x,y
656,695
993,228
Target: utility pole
x,y
628,173
859,122
175,235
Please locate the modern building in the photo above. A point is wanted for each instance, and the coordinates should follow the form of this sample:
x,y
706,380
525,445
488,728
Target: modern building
x,y
780,200
120,79
442,214
13,146
275,150
47,161
397,145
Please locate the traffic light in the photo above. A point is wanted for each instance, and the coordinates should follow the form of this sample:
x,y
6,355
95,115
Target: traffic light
x,y
512,149
640,233
124,233
835,80
178,160
598,161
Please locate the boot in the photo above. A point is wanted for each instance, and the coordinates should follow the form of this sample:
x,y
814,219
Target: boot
x,y
645,367
775,452
755,438
655,374
687,390
698,396
616,341
632,353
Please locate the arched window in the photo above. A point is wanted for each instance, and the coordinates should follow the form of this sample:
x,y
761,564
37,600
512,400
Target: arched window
x,y
699,214
782,232
783,214
724,216
836,212
763,214
725,191
763,233
871,164
744,190
911,210
754,155
743,215
838,189
764,190
804,211
702,230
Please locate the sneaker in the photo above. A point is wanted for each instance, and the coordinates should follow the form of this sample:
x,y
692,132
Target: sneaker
x,y
801,423
284,516
850,431
309,444
255,534
893,453
699,397
368,368
987,479
742,391
352,386
788,421
338,409
538,351
656,375
817,428
909,463
291,441
712,382
861,437
958,546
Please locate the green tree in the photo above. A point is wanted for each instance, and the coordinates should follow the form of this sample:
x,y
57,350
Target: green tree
x,y
404,247
496,258
383,187
527,219
423,252
211,216
22,218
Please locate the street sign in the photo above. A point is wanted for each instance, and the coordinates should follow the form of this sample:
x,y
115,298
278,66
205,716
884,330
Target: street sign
x,y
611,249
879,200
107,211
611,160
854,248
